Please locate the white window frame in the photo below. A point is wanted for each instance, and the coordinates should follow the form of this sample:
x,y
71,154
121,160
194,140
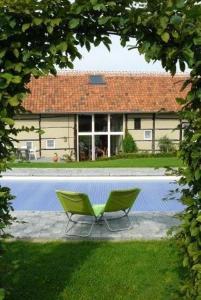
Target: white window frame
x,y
94,133
150,138
47,147
31,144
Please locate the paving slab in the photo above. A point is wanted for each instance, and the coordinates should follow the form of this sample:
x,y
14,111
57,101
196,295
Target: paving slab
x,y
80,172
37,225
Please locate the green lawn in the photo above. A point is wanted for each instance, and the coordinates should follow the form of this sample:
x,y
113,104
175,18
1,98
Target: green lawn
x,y
91,270
150,162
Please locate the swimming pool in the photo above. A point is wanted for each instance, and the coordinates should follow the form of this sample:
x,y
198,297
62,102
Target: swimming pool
x,y
38,193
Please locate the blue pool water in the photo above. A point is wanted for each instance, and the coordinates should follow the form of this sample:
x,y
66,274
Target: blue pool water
x,y
40,194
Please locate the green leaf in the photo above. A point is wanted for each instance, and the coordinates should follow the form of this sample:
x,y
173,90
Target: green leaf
x,y
199,218
103,20
37,21
182,65
2,53
2,294
197,41
93,2
55,21
198,173
100,7
3,83
197,267
180,3
188,54
25,27
175,34
13,101
87,44
164,22
62,46
12,23
70,64
187,200
16,52
8,121
165,37
16,79
50,29
74,23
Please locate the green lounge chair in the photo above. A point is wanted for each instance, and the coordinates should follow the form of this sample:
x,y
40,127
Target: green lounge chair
x,y
119,200
78,204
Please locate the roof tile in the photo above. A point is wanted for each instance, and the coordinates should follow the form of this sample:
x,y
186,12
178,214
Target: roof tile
x,y
72,93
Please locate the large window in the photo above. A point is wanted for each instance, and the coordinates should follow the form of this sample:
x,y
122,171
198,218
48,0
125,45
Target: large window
x,y
99,135
85,123
116,123
101,123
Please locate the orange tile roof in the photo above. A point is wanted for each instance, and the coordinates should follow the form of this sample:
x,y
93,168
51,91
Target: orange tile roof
x,y
122,92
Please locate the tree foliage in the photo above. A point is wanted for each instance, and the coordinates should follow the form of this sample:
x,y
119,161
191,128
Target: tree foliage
x,y
129,145
36,36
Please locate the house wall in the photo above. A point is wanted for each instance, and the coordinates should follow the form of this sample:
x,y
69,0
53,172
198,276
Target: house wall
x,y
160,125
58,128
62,129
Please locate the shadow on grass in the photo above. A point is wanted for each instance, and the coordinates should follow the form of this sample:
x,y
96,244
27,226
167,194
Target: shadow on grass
x,y
93,270
42,273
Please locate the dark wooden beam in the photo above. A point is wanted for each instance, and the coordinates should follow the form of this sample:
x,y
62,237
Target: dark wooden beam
x,y
154,133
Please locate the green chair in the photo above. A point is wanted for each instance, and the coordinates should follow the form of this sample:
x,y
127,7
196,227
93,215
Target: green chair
x,y
119,200
78,204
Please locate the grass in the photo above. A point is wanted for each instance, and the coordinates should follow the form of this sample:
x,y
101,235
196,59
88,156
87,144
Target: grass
x,y
150,162
91,270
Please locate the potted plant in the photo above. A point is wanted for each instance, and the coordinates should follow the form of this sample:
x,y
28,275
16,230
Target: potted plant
x,y
55,157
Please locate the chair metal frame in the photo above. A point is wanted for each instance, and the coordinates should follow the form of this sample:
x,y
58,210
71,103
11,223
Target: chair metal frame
x,y
126,212
70,220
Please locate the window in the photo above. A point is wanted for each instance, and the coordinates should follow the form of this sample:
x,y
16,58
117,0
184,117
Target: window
x,y
85,123
50,144
100,123
96,79
137,123
148,134
116,123
29,145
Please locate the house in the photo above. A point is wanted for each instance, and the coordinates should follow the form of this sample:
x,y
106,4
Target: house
x,y
85,115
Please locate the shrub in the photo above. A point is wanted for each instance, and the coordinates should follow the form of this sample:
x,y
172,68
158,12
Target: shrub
x,y
165,145
129,145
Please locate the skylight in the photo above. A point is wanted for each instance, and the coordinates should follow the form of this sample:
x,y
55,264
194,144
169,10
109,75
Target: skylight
x,y
96,79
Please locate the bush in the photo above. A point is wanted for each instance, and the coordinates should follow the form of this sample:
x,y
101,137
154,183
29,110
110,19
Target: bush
x,y
165,145
129,145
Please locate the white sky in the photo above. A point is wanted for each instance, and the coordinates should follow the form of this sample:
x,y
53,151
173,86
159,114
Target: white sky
x,y
118,59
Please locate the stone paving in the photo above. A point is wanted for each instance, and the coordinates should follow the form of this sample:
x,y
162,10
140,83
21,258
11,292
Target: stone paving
x,y
37,225
85,172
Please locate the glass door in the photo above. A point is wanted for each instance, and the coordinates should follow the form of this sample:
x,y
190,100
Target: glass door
x,y
116,144
85,147
101,146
